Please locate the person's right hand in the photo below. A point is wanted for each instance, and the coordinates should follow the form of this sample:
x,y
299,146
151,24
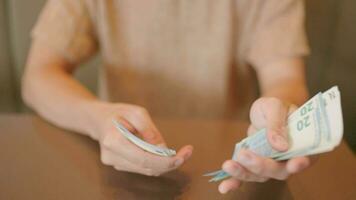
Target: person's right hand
x,y
122,154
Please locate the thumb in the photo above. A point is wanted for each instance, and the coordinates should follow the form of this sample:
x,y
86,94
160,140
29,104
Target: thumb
x,y
276,114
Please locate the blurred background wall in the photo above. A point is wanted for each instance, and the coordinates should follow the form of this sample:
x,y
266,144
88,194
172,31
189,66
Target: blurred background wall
x,y
331,27
17,18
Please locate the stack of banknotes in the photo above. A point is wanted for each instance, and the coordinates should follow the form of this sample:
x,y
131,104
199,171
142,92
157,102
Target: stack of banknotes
x,y
314,128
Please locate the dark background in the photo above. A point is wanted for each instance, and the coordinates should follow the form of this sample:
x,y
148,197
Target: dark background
x,y
331,27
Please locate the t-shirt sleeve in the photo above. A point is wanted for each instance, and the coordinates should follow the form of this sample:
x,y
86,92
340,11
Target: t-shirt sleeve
x,y
66,26
279,32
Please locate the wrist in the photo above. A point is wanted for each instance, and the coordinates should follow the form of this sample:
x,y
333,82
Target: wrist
x,y
94,114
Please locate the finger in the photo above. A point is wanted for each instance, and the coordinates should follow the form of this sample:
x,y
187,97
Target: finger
x,y
121,164
229,184
152,137
127,125
251,130
143,123
133,130
167,163
275,115
124,165
129,151
297,164
258,120
264,167
185,152
237,171
292,108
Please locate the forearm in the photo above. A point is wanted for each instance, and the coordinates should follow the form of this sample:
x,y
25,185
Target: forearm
x,y
49,88
284,80
59,98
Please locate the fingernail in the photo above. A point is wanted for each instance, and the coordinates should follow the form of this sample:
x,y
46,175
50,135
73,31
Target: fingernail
x,y
222,189
178,162
187,155
245,158
280,141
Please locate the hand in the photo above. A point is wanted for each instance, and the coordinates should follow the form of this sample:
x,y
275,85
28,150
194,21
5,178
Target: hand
x,y
123,155
270,113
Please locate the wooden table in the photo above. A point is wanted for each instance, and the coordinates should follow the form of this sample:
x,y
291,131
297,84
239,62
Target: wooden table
x,y
40,161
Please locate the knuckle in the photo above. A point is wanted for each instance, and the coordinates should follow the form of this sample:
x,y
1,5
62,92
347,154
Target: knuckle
x,y
139,111
156,174
240,175
262,179
105,159
149,172
282,177
142,162
171,164
107,142
118,168
245,176
258,168
237,173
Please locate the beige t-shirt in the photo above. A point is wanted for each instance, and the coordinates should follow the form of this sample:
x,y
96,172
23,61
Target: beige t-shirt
x,y
177,58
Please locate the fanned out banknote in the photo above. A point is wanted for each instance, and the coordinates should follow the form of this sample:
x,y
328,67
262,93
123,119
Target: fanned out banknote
x,y
161,151
314,128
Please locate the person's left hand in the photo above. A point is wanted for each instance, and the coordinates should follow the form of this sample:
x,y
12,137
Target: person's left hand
x,y
269,113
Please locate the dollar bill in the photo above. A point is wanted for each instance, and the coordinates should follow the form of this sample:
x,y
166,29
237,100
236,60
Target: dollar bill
x,y
316,127
161,151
